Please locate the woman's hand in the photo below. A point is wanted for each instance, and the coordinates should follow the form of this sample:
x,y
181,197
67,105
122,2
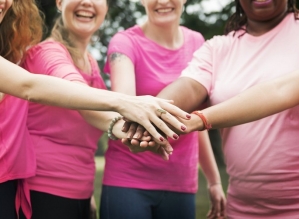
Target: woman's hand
x,y
218,202
151,112
93,208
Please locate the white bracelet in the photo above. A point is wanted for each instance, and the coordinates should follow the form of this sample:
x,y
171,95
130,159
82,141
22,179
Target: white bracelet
x,y
112,123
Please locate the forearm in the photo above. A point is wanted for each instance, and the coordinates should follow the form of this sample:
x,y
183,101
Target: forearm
x,y
50,90
207,160
186,93
257,102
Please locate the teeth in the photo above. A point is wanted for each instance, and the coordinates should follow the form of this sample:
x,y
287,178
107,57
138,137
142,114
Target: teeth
x,y
164,10
260,0
85,14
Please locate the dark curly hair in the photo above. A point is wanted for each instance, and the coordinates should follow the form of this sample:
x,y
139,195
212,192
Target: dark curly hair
x,y
21,28
239,19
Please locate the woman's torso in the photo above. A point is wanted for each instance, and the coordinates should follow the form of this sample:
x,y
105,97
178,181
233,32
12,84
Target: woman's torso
x,y
262,157
64,143
155,68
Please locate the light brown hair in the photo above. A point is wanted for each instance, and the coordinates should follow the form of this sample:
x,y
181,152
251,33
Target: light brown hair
x,y
20,29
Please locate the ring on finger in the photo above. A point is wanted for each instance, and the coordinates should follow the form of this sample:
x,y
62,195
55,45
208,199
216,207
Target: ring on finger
x,y
161,111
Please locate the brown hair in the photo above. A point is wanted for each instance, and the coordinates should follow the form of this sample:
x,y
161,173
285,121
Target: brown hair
x,y
20,29
61,34
239,18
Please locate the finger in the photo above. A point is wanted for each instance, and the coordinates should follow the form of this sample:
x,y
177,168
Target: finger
x,y
145,138
163,153
160,124
146,133
174,124
218,208
152,144
156,136
172,109
139,132
135,142
125,141
132,130
144,144
212,210
126,126
168,148
223,205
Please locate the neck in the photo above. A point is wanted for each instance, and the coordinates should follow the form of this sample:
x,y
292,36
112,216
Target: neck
x,y
169,36
258,28
81,44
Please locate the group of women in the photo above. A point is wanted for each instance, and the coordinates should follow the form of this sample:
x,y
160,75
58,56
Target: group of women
x,y
47,151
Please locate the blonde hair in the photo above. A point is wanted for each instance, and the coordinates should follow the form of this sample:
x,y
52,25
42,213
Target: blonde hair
x,y
21,28
61,34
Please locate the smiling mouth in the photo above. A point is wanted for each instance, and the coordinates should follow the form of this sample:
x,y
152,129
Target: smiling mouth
x,y
164,10
85,14
261,1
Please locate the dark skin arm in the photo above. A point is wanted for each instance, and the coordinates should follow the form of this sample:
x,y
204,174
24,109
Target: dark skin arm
x,y
186,93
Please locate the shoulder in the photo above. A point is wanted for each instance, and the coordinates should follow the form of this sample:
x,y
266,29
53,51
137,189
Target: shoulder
x,y
222,41
191,33
193,37
129,34
47,47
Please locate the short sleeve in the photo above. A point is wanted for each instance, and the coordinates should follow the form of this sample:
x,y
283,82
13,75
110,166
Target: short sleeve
x,y
52,58
200,67
120,43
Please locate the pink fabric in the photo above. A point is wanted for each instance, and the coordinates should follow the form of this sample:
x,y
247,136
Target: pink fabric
x,y
17,157
155,67
64,143
262,157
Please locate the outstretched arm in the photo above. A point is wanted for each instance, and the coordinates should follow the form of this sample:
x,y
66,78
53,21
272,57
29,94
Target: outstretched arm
x,y
53,91
257,102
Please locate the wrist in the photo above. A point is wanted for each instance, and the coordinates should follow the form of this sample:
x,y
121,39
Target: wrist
x,y
117,103
206,125
196,123
214,184
111,126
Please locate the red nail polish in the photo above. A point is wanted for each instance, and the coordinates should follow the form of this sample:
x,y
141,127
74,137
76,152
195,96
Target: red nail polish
x,y
161,139
175,136
183,128
188,116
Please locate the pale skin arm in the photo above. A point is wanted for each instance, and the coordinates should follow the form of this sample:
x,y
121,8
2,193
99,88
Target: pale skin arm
x,y
53,91
209,168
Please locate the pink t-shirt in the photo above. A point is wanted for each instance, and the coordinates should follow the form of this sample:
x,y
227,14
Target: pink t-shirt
x,y
64,143
17,157
262,157
155,68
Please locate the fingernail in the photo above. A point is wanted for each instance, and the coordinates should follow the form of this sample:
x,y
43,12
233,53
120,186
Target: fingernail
x,y
137,136
188,116
183,128
175,136
161,139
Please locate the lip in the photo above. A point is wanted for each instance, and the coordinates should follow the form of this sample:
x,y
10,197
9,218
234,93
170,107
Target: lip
x,y
261,4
